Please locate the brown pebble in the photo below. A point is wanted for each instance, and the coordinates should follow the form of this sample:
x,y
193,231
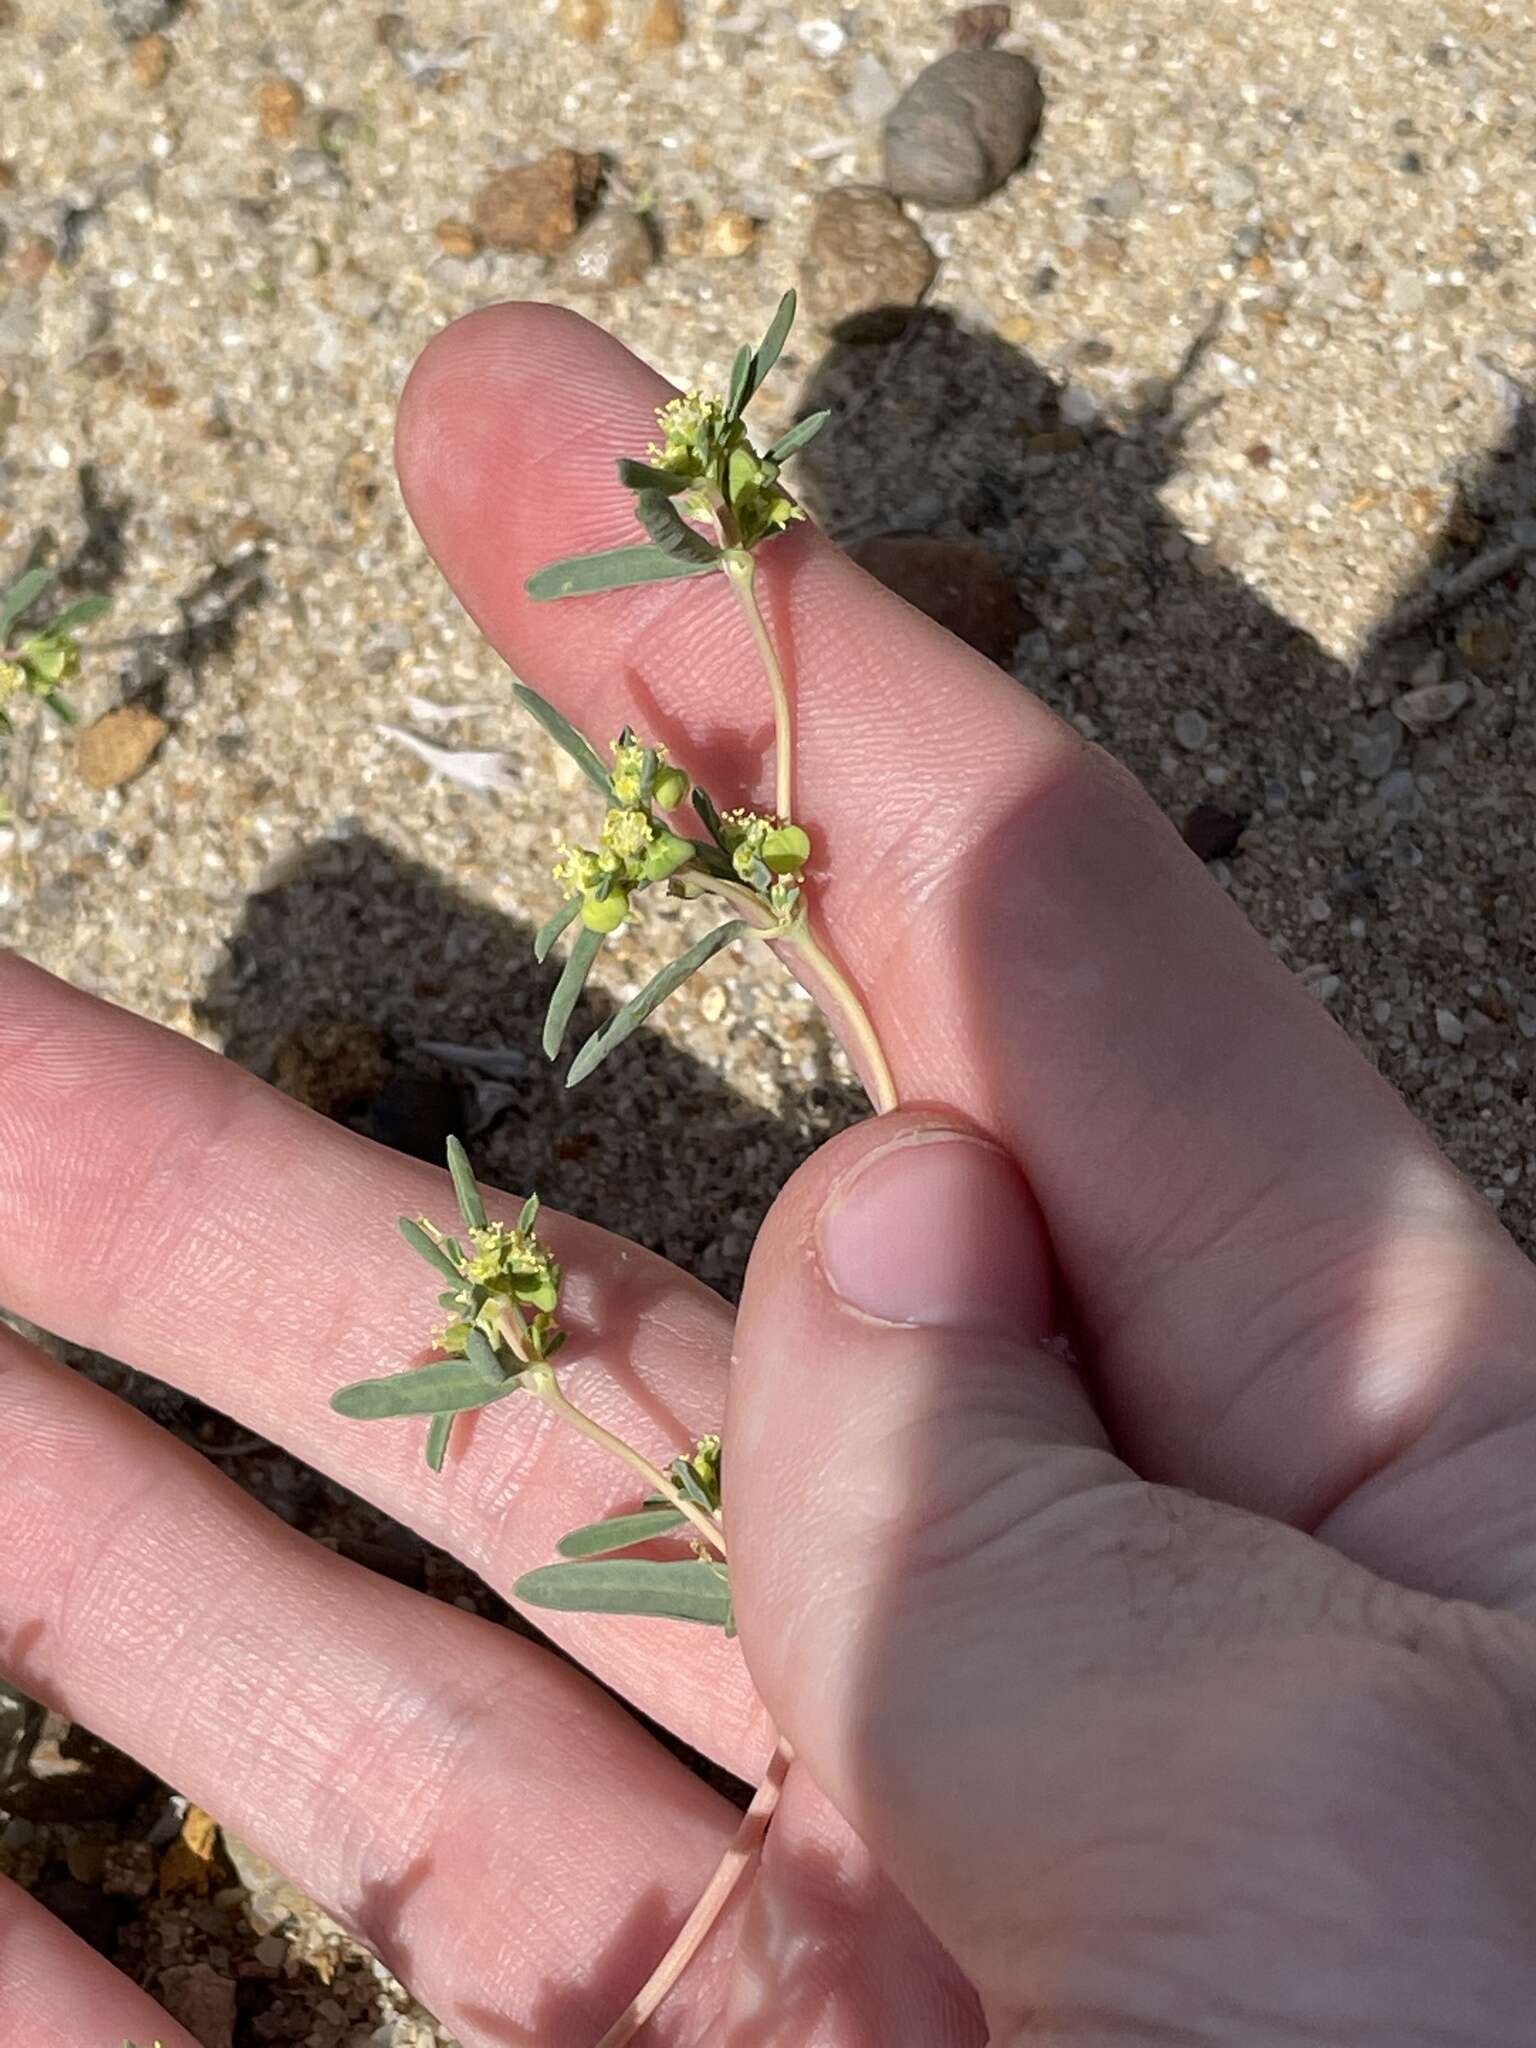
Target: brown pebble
x,y
586,20
457,238
1486,643
978,28
118,746
33,259
616,247
729,234
962,126
1260,454
8,178
865,264
665,25
538,207
388,30
957,582
101,363
149,59
279,103
1213,833
158,396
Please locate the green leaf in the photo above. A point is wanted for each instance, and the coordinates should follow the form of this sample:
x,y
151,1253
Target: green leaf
x,y
800,435
620,1532
565,735
23,592
471,1208
434,1255
641,476
547,933
613,569
568,988
480,1352
638,1008
691,1591
61,707
438,1432
84,612
529,1215
709,817
442,1389
671,531
771,345
741,383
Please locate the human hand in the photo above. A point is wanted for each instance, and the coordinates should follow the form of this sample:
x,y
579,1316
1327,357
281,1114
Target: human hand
x,y
1248,1223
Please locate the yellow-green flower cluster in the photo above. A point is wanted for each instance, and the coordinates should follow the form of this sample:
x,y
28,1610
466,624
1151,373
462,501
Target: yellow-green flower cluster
x,y
634,848
761,848
504,1265
702,443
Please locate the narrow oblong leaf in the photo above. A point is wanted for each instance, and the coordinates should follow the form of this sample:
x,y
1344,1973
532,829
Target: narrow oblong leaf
x,y
23,592
442,1389
438,1432
800,435
620,1532
687,1591
771,346
613,569
61,707
573,979
565,735
471,1208
529,1214
671,531
643,476
480,1352
85,611
709,816
741,383
434,1255
634,1013
549,931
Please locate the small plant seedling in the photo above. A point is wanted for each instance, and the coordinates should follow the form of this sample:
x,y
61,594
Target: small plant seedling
x,y
708,502
41,662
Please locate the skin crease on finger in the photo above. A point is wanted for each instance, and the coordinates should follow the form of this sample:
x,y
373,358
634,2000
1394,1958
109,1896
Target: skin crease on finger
x,y
1283,1288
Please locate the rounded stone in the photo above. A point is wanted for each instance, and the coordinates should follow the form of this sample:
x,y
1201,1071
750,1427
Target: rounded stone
x,y
962,127
536,208
614,248
865,264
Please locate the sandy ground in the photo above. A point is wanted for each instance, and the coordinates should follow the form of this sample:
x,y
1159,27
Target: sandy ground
x,y
1240,361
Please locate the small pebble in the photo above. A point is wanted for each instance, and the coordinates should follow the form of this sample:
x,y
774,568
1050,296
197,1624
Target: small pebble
x,y
1233,185
865,263
149,59
978,28
823,38
279,103
118,746
457,238
665,25
1191,729
132,20
962,127
614,248
1430,704
729,234
33,260
957,582
310,258
586,20
538,207
872,92
1374,752
1449,1027
1213,833
1121,199
1486,643
713,1003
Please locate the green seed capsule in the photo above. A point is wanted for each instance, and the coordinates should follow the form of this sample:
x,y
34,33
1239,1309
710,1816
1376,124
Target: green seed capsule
x,y
671,788
665,855
605,913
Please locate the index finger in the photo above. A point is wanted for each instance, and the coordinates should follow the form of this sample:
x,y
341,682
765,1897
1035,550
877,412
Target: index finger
x,y
1282,1280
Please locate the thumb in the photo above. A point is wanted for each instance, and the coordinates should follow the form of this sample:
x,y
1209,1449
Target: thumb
x,y
1074,1716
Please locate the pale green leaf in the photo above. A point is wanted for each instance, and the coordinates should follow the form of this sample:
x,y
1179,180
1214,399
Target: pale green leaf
x,y
741,383
565,735
686,1591
480,1352
434,1255
529,1215
549,931
799,436
438,1432
471,1208
23,592
671,531
771,345
634,1013
568,988
642,476
442,1389
84,611
613,569
620,1532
